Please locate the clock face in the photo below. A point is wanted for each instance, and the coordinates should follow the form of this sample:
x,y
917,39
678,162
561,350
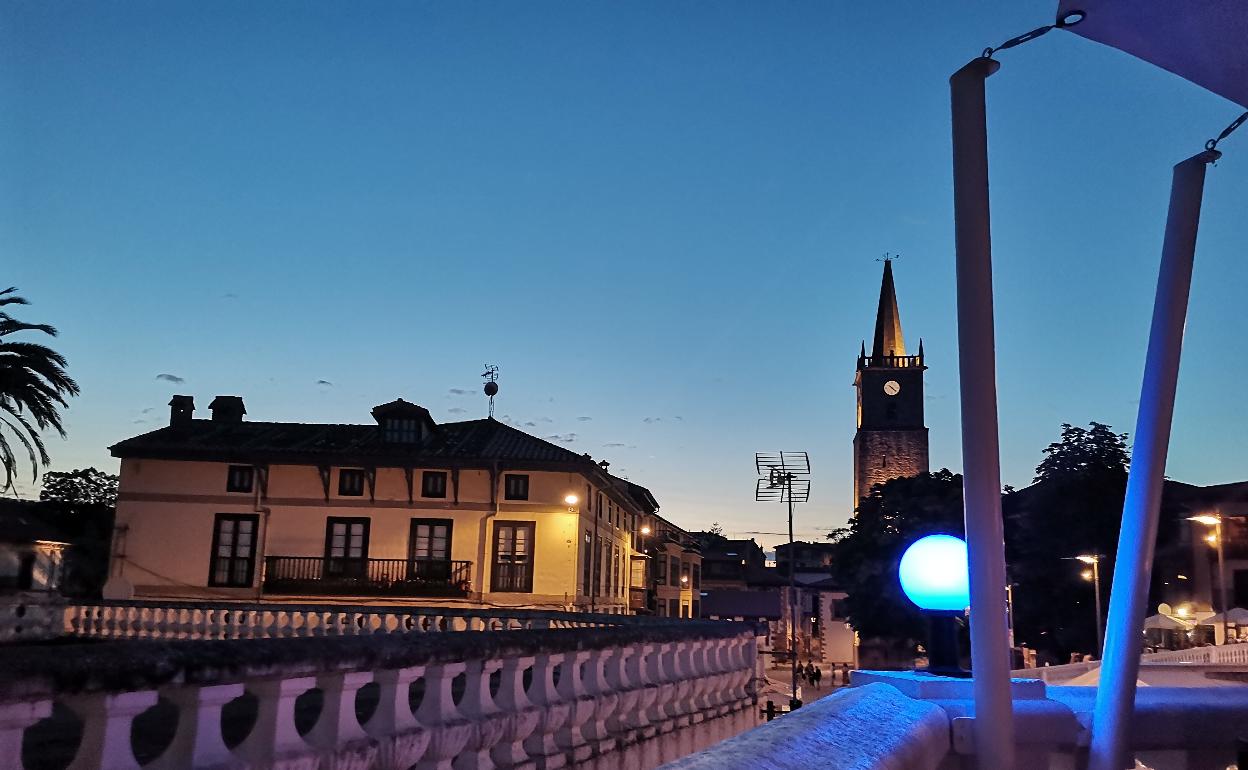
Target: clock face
x,y
892,388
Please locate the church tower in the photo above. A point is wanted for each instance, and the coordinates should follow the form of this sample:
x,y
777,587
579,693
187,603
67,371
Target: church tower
x,y
891,441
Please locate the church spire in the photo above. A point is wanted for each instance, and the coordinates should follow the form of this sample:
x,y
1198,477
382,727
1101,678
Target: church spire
x,y
888,340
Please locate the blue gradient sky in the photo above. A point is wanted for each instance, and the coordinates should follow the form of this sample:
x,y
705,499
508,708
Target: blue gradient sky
x,y
660,219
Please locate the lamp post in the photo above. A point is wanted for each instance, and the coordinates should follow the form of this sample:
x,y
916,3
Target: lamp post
x,y
934,575
1094,575
1215,521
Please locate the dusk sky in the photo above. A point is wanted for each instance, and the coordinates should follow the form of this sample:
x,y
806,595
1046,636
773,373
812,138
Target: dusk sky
x,y
661,220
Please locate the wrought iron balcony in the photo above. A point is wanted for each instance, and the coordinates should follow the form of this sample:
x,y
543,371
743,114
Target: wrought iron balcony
x,y
315,575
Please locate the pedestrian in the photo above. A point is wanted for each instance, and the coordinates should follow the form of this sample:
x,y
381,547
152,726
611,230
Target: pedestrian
x,y
818,676
810,672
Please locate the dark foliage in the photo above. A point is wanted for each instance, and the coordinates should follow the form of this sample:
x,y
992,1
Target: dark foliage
x,y
868,551
33,389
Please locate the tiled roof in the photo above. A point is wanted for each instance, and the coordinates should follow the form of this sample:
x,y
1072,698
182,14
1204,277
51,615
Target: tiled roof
x,y
472,441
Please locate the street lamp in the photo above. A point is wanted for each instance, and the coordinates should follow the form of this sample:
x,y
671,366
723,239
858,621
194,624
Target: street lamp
x,y
1094,575
1215,539
935,576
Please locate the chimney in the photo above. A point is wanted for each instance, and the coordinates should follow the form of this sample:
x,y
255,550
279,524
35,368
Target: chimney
x,y
227,409
181,410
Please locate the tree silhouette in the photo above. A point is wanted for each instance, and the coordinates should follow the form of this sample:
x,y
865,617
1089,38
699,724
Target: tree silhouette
x,y
87,486
33,389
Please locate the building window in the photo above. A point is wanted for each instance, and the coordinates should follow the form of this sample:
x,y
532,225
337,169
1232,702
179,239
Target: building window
x,y
401,430
516,486
587,570
351,482
233,549
684,575
697,608
513,556
673,608
240,478
346,546
674,570
697,576
429,549
433,484
660,570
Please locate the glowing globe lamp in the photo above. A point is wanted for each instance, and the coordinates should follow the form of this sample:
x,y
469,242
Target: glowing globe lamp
x,y
934,575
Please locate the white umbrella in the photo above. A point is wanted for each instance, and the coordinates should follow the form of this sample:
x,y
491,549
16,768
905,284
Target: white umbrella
x,y
1166,623
1236,615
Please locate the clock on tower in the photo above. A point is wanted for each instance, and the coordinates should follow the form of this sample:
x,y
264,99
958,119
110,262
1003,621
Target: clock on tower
x,y
891,440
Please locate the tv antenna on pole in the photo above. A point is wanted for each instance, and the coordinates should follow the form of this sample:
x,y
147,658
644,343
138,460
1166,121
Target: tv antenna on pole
x,y
780,480
491,385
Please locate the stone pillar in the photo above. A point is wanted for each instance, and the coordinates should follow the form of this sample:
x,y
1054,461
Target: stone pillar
x,y
106,727
197,741
274,735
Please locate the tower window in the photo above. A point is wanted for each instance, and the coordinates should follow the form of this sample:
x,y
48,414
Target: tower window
x,y
516,486
884,461
240,478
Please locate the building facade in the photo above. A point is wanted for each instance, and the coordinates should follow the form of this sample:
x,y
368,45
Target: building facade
x,y
401,510
891,438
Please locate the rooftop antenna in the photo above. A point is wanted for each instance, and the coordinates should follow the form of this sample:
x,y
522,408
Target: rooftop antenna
x,y
778,481
491,385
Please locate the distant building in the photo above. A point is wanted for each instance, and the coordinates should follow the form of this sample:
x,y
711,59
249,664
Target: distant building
x,y
670,573
32,551
813,561
403,509
891,438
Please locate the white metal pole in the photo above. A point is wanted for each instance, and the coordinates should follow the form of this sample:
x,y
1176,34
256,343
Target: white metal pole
x,y
981,461
1100,627
1115,696
1226,627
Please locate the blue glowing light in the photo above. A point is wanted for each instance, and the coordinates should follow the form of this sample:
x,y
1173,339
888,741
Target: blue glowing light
x,y
934,575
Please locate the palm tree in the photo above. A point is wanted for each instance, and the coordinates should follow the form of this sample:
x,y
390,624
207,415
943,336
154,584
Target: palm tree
x,y
33,388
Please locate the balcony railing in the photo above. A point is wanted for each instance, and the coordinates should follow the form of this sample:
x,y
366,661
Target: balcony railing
x,y
313,575
890,362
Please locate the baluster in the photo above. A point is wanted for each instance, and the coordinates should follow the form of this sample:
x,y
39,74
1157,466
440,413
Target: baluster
x,y
449,733
14,719
606,700
554,711
274,735
337,724
572,690
619,674
402,741
522,716
477,706
107,721
197,741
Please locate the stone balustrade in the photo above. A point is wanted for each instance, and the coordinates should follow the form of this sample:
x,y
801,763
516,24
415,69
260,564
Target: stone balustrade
x,y
1223,654
241,620
635,695
906,719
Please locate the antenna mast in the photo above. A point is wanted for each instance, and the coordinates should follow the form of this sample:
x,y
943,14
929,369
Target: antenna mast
x,y
491,385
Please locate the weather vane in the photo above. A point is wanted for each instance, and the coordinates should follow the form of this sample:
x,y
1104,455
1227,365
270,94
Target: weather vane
x,y
888,257
491,384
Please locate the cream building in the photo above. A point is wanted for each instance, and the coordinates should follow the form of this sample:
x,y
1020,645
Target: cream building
x,y
400,510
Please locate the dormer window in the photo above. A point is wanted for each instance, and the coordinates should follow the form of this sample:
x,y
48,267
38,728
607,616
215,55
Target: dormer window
x,y
400,430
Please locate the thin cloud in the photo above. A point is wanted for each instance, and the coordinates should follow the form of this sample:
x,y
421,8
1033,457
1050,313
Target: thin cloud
x,y
457,410
649,420
563,438
584,419
545,419
175,379
148,410
229,295
613,445
530,424
458,392
325,382
678,418
138,422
